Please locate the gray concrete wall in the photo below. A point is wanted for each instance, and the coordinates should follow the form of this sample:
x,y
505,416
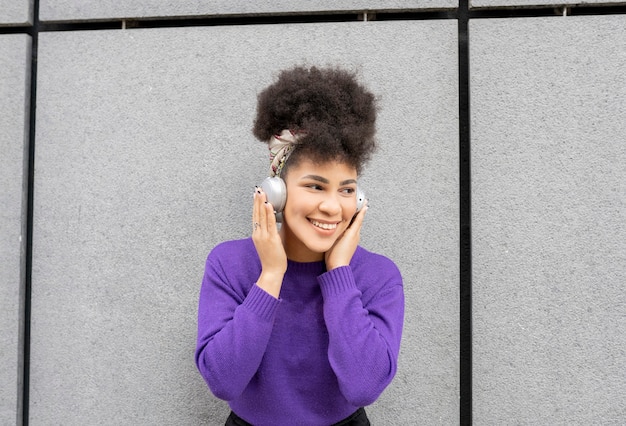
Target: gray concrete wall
x,y
540,3
16,12
549,214
144,160
63,10
14,103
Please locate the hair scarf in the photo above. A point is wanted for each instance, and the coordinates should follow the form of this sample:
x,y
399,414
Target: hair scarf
x,y
281,146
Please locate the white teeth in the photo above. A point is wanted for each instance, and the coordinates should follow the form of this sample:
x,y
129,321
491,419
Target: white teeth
x,y
324,225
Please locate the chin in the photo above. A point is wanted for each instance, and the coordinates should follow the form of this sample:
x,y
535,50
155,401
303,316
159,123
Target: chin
x,y
320,245
320,248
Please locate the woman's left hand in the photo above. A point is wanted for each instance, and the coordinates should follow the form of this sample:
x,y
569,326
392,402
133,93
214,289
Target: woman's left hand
x,y
340,254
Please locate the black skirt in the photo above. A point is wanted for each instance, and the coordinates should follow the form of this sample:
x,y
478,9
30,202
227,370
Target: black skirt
x,y
358,418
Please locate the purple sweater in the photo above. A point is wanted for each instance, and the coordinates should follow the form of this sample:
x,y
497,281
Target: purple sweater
x,y
328,346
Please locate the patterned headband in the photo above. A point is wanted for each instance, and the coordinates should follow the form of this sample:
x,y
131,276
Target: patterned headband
x,y
281,146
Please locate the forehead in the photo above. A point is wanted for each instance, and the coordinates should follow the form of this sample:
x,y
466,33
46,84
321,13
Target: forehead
x,y
332,169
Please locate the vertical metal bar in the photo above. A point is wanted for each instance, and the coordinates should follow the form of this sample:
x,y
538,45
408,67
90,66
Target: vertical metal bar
x,y
465,217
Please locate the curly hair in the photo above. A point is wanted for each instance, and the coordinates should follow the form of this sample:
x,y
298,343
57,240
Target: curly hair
x,y
334,112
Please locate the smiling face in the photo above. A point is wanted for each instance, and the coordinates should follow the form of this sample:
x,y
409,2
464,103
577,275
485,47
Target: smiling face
x,y
321,201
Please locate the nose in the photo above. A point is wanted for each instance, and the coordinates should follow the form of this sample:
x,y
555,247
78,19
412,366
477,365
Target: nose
x,y
330,205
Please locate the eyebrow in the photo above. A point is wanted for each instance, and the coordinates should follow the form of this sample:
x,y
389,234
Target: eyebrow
x,y
326,181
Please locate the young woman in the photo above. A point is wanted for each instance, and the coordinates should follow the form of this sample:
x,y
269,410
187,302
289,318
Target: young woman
x,y
299,325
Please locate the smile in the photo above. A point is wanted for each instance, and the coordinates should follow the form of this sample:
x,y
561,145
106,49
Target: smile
x,y
327,226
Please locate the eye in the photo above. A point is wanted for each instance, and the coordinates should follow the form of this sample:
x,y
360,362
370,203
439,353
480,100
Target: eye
x,y
348,191
314,186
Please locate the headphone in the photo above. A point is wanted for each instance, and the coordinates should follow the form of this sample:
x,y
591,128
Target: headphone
x,y
276,192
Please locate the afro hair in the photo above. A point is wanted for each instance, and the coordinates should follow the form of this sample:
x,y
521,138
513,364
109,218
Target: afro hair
x,y
334,112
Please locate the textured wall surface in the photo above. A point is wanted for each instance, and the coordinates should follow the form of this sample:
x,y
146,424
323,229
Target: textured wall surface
x,y
14,100
549,208
145,160
540,3
61,10
13,12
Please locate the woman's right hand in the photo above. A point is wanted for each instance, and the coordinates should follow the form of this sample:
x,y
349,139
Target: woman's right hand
x,y
268,244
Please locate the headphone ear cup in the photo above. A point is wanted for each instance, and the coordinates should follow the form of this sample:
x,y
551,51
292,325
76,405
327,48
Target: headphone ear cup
x,y
360,199
276,192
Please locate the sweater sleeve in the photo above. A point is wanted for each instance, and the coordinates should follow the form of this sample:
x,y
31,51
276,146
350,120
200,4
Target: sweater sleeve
x,y
233,332
364,339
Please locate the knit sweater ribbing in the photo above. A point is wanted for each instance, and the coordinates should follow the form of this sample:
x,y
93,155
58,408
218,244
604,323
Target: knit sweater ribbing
x,y
327,346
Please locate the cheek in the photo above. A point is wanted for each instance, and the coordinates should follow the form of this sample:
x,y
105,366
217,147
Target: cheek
x,y
297,206
349,210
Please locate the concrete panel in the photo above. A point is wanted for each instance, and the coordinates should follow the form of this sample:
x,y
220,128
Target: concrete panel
x,y
64,10
145,160
16,12
14,101
539,3
548,97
